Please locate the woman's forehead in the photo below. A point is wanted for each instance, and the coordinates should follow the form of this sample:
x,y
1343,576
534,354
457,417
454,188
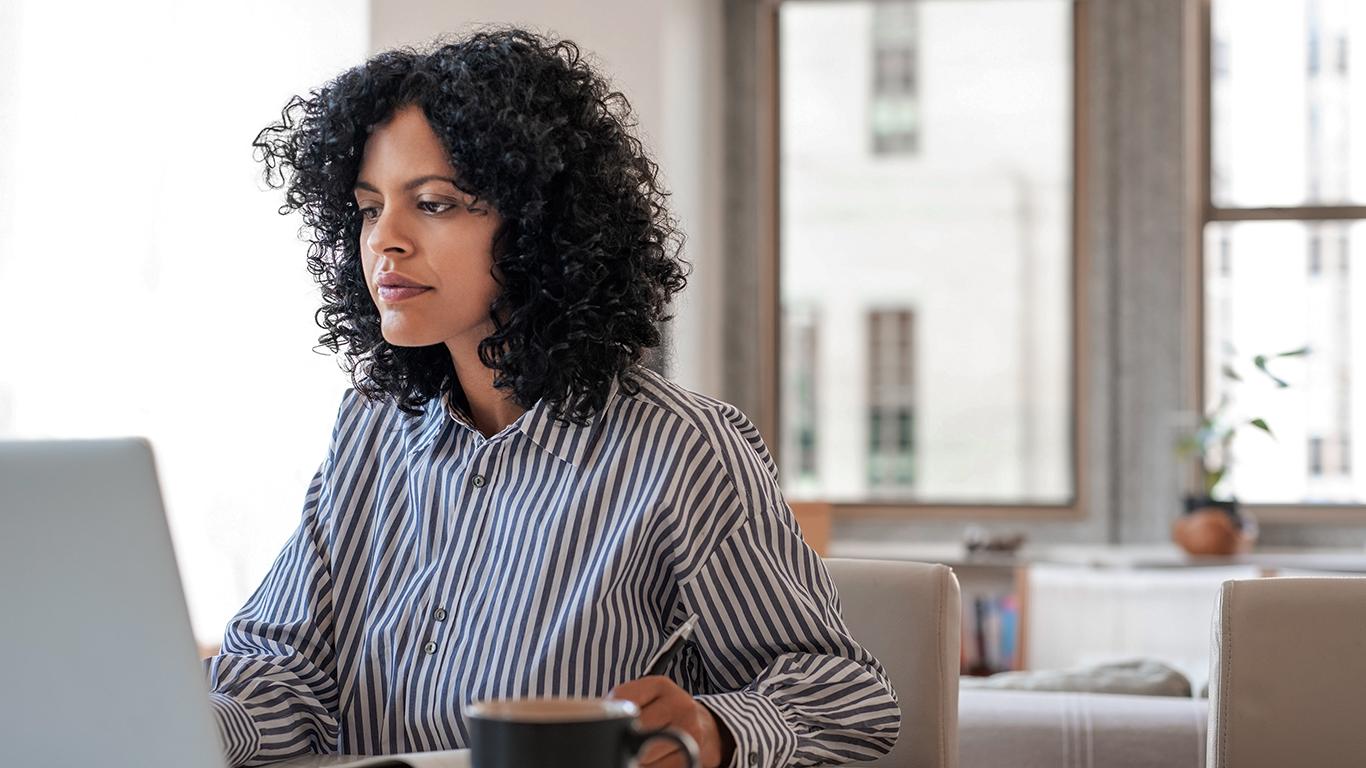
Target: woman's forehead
x,y
403,149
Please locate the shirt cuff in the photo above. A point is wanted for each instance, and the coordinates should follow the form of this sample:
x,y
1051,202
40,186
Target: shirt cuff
x,y
236,729
762,737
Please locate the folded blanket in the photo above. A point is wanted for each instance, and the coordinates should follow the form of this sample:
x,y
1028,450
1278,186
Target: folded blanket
x,y
1140,677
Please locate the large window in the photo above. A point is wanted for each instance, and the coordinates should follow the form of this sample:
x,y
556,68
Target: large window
x,y
1284,244
151,288
926,252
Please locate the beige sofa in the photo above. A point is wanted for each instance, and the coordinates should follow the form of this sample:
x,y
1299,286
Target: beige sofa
x,y
1288,674
1044,729
907,614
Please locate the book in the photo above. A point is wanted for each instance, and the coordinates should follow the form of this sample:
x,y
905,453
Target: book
x,y
991,629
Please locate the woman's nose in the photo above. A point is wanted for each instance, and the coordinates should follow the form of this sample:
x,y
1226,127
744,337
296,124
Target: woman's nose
x,y
388,236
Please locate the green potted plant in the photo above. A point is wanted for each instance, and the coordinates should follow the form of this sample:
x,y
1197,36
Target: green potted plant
x,y
1213,523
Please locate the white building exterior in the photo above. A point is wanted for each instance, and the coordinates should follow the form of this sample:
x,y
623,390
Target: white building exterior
x,y
967,234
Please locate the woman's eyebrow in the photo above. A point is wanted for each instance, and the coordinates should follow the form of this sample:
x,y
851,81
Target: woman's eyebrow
x,y
411,185
420,180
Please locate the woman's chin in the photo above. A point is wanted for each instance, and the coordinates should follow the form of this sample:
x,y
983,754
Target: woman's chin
x,y
406,338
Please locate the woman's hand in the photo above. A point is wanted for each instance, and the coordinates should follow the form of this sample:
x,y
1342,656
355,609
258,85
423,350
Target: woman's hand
x,y
662,703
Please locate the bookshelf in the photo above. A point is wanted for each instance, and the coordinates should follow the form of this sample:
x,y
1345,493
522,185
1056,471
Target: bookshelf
x,y
994,598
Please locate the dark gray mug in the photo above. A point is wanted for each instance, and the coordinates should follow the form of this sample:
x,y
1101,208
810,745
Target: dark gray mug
x,y
562,733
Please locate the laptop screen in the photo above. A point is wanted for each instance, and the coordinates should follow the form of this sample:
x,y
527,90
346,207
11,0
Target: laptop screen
x,y
98,665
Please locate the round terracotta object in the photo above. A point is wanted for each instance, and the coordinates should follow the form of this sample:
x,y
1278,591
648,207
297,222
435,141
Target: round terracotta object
x,y
1210,531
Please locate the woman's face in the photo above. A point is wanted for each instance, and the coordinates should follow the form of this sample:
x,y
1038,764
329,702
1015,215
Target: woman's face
x,y
427,247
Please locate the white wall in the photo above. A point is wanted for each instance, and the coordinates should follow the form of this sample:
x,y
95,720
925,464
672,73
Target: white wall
x,y
150,287
664,55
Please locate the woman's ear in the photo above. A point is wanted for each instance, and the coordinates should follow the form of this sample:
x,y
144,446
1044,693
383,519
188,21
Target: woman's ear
x,y
503,240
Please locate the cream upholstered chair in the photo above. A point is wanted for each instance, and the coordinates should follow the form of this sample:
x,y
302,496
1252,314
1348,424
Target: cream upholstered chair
x,y
1288,674
907,615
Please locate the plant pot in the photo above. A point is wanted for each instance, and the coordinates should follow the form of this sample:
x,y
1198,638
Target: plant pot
x,y
1211,527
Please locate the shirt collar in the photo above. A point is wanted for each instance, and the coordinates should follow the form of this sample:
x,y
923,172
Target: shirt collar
x,y
567,441
449,410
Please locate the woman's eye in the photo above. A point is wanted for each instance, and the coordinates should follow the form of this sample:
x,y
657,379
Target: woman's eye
x,y
433,206
369,212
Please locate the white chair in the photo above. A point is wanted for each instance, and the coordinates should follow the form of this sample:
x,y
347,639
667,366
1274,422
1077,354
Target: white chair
x,y
907,615
1288,674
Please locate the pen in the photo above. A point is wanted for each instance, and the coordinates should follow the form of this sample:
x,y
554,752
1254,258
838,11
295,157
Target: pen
x,y
671,647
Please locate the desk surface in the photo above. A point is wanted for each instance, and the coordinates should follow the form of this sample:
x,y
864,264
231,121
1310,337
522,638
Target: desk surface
x,y
455,758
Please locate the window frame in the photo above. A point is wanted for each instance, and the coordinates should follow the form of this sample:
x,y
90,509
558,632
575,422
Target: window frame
x,y
769,169
1209,213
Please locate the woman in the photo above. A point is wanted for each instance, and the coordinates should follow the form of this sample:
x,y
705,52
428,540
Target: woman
x,y
512,505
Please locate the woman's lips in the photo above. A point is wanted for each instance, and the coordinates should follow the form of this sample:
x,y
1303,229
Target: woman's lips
x,y
392,288
392,293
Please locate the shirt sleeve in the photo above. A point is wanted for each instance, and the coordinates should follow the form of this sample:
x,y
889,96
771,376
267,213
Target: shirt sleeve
x,y
795,688
273,687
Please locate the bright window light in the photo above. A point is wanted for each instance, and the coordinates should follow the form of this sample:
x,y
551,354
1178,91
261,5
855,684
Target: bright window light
x,y
151,288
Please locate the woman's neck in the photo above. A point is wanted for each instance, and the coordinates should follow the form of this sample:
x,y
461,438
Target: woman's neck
x,y
491,409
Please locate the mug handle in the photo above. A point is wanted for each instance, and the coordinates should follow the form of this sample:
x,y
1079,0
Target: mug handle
x,y
639,738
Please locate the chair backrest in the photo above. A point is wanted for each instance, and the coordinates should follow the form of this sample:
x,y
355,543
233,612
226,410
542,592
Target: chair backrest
x,y
907,615
1288,674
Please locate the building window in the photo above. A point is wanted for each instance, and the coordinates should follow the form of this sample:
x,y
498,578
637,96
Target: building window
x,y
894,114
891,399
933,262
799,355
1287,190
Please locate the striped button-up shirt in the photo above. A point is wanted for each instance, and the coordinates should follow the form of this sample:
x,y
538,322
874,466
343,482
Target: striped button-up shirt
x,y
433,567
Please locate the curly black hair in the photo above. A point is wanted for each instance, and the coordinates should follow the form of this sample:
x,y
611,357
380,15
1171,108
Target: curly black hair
x,y
587,257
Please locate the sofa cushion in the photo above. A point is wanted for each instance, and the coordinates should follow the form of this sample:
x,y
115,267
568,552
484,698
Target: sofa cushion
x,y
1043,729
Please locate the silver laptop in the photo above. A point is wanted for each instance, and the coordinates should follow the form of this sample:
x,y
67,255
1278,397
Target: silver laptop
x,y
98,666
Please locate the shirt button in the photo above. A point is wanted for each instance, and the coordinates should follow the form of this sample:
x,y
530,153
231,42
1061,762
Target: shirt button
x,y
478,481
753,758
439,614
430,647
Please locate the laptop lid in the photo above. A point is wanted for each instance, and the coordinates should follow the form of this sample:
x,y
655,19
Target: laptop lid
x,y
98,665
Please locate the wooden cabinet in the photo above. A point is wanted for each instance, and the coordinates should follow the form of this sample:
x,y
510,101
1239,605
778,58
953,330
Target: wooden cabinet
x,y
813,517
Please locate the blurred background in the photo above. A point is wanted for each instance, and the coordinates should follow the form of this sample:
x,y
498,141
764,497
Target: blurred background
x,y
150,286
969,261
